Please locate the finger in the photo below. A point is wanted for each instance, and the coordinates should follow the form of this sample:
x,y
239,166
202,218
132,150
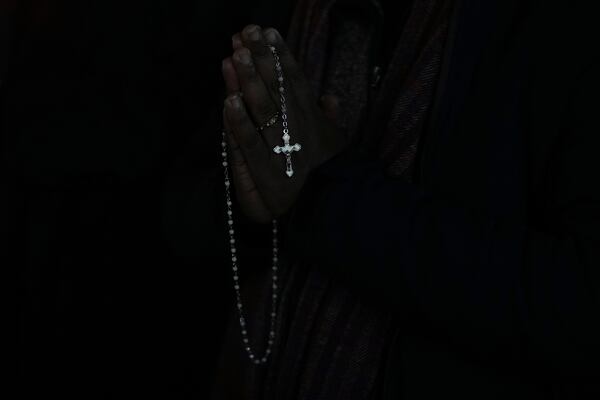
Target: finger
x,y
236,158
252,146
230,77
256,95
253,39
247,193
291,70
236,41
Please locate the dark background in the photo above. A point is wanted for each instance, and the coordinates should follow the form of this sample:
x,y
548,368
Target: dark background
x,y
109,116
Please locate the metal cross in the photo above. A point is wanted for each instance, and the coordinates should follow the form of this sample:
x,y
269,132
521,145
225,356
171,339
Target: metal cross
x,y
287,151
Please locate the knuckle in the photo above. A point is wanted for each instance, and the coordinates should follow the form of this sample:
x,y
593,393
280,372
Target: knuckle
x,y
235,116
265,106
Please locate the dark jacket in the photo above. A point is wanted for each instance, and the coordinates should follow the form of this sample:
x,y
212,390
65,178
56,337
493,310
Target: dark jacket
x,y
491,260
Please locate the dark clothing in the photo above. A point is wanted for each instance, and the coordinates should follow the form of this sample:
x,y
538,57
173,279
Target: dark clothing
x,y
329,343
491,259
385,94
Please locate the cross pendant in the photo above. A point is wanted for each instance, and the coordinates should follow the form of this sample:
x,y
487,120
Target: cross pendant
x,y
287,151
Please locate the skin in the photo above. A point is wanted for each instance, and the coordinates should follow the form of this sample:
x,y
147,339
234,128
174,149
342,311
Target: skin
x,y
262,188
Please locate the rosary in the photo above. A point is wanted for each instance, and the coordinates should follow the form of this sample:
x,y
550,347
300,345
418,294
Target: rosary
x,y
287,151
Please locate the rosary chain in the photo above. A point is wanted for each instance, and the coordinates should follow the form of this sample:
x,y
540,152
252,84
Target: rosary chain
x,y
254,358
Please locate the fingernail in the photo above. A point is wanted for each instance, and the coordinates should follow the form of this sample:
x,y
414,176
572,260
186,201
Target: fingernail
x,y
253,32
271,36
234,102
244,57
235,41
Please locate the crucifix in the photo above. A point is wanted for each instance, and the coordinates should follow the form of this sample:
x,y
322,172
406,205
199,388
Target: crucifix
x,y
287,151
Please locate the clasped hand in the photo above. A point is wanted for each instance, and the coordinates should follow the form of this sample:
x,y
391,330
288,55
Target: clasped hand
x,y
262,187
